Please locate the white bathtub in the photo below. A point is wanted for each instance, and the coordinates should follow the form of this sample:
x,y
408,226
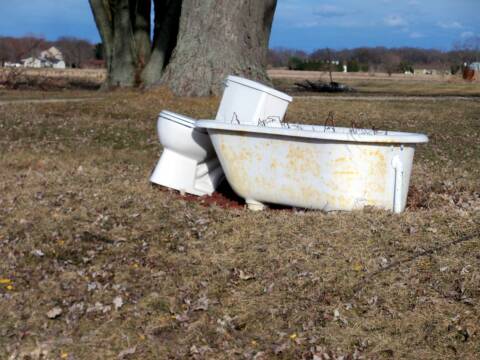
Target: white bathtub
x,y
315,167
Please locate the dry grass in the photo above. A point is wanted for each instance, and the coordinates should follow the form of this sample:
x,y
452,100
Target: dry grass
x,y
382,84
341,76
51,79
81,226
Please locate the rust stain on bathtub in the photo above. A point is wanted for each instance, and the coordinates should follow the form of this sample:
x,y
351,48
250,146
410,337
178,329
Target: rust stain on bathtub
x,y
273,164
302,159
236,165
346,172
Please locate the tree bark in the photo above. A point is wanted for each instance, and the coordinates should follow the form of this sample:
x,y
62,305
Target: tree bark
x,y
167,18
123,59
140,13
102,13
217,38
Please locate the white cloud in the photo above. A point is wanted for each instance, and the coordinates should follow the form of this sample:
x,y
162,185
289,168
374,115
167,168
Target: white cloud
x,y
327,10
395,21
466,34
450,25
416,35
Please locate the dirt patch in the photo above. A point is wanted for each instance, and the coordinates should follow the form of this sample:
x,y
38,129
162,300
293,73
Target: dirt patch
x,y
224,197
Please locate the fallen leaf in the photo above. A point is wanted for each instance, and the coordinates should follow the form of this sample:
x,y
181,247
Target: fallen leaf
x,y
336,314
124,353
357,267
5,281
117,302
37,253
244,276
201,304
182,318
54,313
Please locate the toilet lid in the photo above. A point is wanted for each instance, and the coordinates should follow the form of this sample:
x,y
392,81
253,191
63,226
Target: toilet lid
x,y
260,87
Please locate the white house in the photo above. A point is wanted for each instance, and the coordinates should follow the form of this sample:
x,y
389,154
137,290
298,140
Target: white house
x,y
12,64
32,62
51,58
52,53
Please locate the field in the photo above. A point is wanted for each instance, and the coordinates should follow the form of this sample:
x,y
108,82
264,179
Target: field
x,y
99,264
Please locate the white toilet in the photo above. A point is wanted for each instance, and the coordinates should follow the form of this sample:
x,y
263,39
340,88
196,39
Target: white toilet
x,y
188,162
248,102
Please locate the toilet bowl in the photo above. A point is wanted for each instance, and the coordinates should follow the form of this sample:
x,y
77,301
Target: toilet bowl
x,y
188,162
248,102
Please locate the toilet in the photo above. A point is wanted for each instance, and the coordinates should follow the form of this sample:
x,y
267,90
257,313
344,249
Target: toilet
x,y
248,102
188,162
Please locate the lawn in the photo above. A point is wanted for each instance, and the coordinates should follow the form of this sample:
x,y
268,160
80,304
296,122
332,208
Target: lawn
x,y
99,264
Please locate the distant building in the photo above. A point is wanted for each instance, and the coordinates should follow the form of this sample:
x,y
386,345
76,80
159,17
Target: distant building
x,y
32,62
472,72
12,64
50,58
52,54
425,71
474,66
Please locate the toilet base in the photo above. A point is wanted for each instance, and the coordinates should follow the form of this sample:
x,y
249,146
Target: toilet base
x,y
186,175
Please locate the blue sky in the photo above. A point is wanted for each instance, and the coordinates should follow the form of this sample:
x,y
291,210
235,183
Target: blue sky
x,y
303,24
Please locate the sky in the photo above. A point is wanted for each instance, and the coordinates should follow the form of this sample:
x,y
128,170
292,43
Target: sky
x,y
300,24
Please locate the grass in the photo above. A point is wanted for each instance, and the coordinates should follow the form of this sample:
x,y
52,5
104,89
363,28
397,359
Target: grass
x,y
80,226
382,85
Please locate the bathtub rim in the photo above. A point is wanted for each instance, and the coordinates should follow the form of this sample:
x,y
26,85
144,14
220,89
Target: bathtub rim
x,y
341,133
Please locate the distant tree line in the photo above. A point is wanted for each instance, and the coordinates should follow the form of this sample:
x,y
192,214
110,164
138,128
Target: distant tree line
x,y
76,52
390,60
80,53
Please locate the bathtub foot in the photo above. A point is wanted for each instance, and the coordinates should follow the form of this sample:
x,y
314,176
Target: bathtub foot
x,y
255,205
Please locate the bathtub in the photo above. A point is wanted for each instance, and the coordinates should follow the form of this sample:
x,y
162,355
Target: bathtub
x,y
316,167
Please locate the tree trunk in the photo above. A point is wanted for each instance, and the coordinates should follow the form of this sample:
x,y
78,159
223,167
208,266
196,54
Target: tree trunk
x,y
140,13
218,38
167,18
124,58
196,43
102,13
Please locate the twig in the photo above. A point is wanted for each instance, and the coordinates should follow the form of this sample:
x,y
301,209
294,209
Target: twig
x,y
359,286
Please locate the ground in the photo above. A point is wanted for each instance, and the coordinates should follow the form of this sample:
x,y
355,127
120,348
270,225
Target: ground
x,y
99,264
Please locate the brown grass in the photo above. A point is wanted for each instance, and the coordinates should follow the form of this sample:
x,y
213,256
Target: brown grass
x,y
382,84
80,226
51,79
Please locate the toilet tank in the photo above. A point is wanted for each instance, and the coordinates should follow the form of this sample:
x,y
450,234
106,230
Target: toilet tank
x,y
248,102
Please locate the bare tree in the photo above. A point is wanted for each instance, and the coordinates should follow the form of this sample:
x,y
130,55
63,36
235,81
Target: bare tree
x,y
391,62
75,51
196,43
16,49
